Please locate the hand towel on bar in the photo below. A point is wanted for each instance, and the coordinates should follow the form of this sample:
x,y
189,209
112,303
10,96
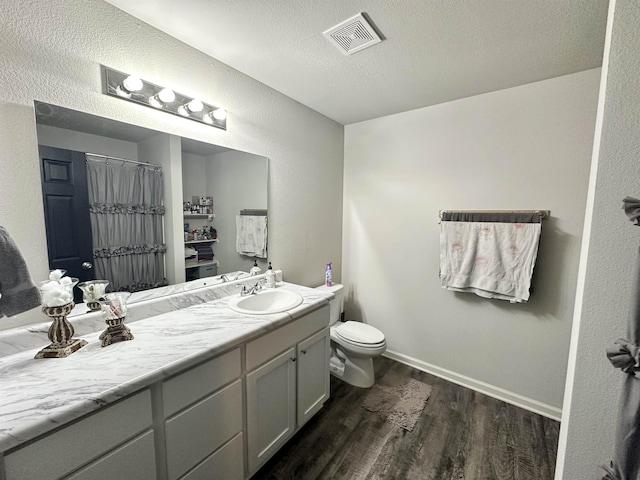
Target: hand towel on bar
x,y
251,235
492,260
17,292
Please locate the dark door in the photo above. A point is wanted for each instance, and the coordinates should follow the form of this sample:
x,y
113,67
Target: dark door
x,y
66,211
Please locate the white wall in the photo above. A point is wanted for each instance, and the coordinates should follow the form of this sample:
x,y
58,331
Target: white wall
x,y
52,51
236,181
522,148
86,142
194,176
165,150
607,271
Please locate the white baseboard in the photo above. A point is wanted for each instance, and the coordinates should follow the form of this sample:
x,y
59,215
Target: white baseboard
x,y
521,401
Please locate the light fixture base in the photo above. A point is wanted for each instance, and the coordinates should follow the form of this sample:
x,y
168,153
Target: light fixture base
x,y
149,96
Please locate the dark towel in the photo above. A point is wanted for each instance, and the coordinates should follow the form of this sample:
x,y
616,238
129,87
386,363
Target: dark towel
x,y
205,252
17,292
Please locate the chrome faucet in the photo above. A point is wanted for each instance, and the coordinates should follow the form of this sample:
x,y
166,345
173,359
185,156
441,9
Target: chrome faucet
x,y
251,291
226,278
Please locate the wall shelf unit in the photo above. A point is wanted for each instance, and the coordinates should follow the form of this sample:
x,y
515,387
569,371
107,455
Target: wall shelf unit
x,y
203,263
208,216
197,268
201,241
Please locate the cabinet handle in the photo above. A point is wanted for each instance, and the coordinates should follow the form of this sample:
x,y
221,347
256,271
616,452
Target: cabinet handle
x,y
304,352
293,359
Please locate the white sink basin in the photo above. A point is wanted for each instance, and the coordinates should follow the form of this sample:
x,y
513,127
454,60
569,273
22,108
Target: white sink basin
x,y
266,302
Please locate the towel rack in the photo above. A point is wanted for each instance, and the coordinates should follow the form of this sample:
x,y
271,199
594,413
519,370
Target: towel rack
x,y
543,213
254,212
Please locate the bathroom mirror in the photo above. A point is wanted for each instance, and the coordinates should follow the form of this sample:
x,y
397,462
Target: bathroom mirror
x,y
234,180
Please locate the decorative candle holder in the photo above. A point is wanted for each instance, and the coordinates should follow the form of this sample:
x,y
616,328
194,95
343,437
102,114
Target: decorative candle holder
x,y
114,311
57,298
93,290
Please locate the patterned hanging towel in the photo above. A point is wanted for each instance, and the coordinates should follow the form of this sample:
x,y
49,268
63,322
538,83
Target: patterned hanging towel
x,y
492,260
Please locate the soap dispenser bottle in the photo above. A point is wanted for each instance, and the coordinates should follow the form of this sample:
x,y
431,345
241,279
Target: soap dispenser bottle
x,y
255,270
270,277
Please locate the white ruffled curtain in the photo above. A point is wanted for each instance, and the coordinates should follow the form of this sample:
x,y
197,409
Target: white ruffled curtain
x,y
126,212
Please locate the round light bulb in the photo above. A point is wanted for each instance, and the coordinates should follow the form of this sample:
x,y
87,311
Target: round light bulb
x,y
219,114
132,83
194,106
166,95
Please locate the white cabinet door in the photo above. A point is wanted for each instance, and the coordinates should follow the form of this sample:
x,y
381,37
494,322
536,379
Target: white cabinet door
x,y
313,375
271,407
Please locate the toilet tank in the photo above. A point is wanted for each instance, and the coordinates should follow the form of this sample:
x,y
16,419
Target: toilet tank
x,y
336,305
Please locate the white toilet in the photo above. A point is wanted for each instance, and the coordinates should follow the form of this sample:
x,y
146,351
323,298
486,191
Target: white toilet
x,y
353,344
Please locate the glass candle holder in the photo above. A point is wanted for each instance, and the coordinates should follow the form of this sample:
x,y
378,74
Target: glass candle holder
x,y
56,293
114,312
57,302
92,291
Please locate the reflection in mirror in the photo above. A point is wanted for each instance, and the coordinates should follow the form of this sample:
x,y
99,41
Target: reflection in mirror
x,y
216,185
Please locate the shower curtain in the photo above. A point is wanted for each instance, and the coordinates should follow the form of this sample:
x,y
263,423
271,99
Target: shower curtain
x,y
625,354
126,222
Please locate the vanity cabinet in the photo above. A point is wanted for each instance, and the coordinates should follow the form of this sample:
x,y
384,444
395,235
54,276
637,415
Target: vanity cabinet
x,y
312,375
118,437
222,418
203,420
271,407
287,383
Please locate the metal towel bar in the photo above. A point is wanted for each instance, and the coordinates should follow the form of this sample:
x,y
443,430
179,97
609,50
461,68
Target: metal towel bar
x,y
543,213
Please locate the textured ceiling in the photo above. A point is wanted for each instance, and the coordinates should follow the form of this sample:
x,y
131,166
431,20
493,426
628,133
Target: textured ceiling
x,y
433,51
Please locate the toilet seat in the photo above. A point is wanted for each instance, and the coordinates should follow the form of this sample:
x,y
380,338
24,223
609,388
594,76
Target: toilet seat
x,y
360,334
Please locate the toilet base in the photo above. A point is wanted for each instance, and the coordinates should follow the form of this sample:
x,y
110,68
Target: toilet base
x,y
357,371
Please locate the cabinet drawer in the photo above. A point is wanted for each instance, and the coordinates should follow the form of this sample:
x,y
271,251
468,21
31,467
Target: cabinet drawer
x,y
271,344
135,459
186,388
197,432
227,463
62,452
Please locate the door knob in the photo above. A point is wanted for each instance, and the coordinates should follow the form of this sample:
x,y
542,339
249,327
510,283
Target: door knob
x,y
87,265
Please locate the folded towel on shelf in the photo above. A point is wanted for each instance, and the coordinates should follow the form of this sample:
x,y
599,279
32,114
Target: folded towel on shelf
x,y
17,291
251,235
492,260
190,252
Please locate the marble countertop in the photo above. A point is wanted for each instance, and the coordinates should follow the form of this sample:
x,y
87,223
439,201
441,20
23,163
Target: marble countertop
x,y
40,395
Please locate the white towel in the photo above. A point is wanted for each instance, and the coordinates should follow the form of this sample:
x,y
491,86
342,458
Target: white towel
x,y
251,235
492,260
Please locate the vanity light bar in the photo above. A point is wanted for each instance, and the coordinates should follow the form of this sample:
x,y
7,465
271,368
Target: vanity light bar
x,y
134,89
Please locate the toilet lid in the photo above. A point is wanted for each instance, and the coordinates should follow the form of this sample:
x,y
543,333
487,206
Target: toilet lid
x,y
359,332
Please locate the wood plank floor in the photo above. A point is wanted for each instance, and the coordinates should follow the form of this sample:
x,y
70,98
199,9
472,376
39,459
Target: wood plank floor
x,y
461,435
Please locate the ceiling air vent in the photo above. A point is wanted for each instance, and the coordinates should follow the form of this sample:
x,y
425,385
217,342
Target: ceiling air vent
x,y
352,35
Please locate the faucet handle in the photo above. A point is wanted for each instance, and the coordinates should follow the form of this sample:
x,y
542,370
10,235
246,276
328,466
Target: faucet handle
x,y
243,290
